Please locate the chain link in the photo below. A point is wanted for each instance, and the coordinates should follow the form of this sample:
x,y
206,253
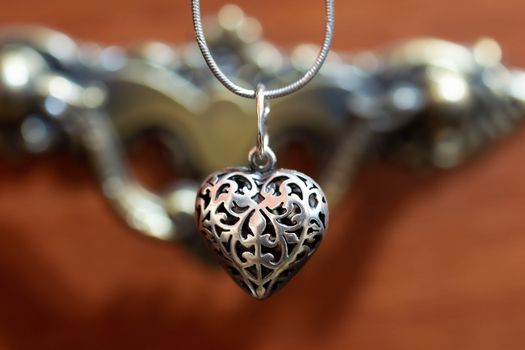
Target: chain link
x,y
279,92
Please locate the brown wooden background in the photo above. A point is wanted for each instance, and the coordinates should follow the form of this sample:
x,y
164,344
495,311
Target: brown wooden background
x,y
411,262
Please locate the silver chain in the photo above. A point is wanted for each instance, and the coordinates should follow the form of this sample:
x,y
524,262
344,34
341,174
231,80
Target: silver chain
x,y
250,93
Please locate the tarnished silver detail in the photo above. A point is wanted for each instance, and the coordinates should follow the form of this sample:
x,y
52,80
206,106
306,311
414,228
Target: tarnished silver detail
x,y
263,226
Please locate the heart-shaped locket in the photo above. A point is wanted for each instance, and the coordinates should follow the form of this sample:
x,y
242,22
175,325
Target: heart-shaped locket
x,y
263,225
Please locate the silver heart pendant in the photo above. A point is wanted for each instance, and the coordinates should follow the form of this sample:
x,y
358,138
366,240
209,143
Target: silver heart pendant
x,y
263,225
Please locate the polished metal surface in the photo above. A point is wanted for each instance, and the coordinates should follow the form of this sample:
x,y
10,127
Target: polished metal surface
x,y
263,225
261,157
263,111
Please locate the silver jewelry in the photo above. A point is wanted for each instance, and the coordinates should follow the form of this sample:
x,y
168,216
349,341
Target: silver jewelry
x,y
280,92
395,104
263,223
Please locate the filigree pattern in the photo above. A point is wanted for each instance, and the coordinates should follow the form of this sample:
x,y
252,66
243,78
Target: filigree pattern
x,y
263,226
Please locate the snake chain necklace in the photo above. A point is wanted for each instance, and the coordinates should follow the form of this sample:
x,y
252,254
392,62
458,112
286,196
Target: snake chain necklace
x,y
263,223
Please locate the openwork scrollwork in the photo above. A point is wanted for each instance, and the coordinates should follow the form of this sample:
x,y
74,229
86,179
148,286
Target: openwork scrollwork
x,y
263,226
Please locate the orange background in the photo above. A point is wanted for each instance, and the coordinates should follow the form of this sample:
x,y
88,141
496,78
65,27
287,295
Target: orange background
x,y
412,261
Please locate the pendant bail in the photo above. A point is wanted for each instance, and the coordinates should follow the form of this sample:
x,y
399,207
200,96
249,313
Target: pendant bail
x,y
261,157
263,111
